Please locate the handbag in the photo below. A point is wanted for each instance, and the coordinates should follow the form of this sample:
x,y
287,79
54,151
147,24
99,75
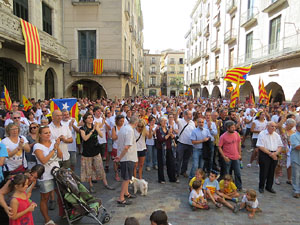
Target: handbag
x,y
177,137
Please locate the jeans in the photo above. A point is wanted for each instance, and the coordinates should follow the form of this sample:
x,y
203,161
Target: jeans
x,y
183,154
197,161
151,156
296,177
235,166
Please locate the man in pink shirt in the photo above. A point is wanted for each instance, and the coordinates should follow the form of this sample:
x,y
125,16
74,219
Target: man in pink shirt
x,y
230,150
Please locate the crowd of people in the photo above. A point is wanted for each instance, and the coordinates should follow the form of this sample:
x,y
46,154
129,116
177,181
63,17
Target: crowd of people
x,y
130,136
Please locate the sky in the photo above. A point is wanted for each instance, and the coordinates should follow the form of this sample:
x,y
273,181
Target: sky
x,y
165,23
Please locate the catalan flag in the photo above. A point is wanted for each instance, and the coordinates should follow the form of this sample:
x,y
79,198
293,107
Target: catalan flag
x,y
189,92
237,75
262,91
234,96
7,99
131,72
32,43
137,77
97,66
229,89
69,104
27,104
269,97
251,99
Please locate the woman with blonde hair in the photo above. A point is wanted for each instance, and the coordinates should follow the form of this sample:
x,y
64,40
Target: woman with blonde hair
x,y
140,136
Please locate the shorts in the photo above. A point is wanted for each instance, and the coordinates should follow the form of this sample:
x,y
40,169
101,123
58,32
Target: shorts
x,y
114,153
142,153
73,159
47,186
65,164
109,145
127,169
254,141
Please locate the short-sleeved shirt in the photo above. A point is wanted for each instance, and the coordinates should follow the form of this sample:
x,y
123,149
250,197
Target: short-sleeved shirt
x,y
15,161
196,196
101,140
259,126
230,145
185,136
295,154
212,186
193,180
231,187
150,141
126,137
269,141
252,204
199,134
3,153
71,146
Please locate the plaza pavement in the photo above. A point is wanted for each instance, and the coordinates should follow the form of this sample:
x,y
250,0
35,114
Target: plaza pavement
x,y
278,209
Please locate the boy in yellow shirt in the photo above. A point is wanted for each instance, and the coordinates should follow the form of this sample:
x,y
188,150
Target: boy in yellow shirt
x,y
228,189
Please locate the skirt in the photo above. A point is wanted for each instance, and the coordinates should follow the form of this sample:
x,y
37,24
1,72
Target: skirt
x,y
92,167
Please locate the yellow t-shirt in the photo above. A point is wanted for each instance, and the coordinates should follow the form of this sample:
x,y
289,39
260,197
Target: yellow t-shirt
x,y
192,181
231,187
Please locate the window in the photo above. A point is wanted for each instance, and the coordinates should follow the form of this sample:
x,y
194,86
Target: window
x,y
195,74
47,18
153,70
249,45
172,61
153,60
217,64
21,9
232,21
206,69
250,8
231,56
274,33
86,50
153,81
180,60
199,74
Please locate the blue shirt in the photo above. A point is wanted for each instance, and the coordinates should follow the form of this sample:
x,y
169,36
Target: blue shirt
x,y
3,153
199,134
211,186
213,129
295,154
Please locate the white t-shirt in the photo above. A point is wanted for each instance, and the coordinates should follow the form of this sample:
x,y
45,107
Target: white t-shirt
x,y
141,143
275,118
252,204
15,161
57,132
71,146
151,140
126,137
111,122
53,161
194,195
101,140
248,125
115,143
185,137
259,126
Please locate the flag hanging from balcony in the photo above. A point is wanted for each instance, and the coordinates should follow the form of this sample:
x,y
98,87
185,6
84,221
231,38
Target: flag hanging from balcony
x,y
7,99
131,72
98,66
69,104
32,43
234,96
137,77
237,75
27,104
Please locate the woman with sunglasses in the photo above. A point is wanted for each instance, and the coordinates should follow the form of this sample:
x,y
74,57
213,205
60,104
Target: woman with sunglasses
x,y
31,137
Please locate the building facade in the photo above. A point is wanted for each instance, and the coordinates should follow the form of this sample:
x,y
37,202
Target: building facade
x,y
111,30
232,33
172,72
152,80
21,78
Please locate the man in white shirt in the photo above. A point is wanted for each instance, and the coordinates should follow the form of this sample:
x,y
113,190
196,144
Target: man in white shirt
x,y
185,147
64,134
127,156
269,144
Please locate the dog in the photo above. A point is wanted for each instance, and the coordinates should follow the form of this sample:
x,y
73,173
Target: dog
x,y
140,184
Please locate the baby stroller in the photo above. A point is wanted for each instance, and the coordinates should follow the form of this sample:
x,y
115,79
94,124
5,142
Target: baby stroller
x,y
77,200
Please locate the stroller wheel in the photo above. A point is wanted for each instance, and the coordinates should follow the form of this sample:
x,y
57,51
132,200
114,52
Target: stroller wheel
x,y
105,218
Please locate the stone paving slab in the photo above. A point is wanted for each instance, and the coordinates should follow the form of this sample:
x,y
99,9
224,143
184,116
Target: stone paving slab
x,y
278,209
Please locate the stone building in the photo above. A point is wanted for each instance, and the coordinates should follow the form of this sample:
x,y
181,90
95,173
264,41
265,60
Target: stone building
x,y
111,30
38,81
152,80
231,33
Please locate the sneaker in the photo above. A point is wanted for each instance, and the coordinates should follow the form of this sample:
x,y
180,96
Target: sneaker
x,y
236,208
177,181
155,167
249,165
148,168
51,204
235,200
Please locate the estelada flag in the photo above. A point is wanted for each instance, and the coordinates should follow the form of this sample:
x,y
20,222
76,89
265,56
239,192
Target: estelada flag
x,y
229,89
32,43
27,104
7,99
237,75
98,66
69,104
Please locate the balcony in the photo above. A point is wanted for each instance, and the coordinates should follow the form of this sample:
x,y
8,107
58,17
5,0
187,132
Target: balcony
x,y
86,2
204,79
196,59
84,67
204,53
249,17
152,62
172,62
152,72
11,33
180,72
131,25
231,6
271,5
287,47
206,31
217,20
214,76
154,85
215,46
230,36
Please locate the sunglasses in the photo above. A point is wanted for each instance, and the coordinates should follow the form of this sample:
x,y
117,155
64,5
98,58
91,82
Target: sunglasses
x,y
33,127
44,111
17,118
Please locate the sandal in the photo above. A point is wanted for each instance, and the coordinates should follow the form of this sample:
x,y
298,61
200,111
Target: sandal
x,y
130,196
289,182
124,203
50,222
218,205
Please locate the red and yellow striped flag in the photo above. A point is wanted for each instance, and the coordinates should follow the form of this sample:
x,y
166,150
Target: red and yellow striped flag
x,y
131,72
7,99
98,66
27,104
32,43
262,91
234,97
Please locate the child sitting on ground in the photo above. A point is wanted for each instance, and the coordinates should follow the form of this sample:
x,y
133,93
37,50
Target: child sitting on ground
x,y
228,189
196,198
250,202
199,176
212,191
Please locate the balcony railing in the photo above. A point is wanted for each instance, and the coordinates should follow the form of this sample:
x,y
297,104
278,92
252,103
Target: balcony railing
x,y
249,17
285,47
196,58
230,36
204,53
152,72
84,67
271,5
231,6
214,76
215,46
86,2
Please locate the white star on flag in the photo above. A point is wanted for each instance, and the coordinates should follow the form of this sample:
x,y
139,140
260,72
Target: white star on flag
x,y
65,106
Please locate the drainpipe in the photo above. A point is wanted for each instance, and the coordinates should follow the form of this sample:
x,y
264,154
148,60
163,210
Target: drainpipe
x,y
63,43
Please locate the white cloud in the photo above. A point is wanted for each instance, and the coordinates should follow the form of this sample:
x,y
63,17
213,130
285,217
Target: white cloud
x,y
165,23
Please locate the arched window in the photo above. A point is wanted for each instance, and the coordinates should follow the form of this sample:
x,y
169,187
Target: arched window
x,y
49,84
